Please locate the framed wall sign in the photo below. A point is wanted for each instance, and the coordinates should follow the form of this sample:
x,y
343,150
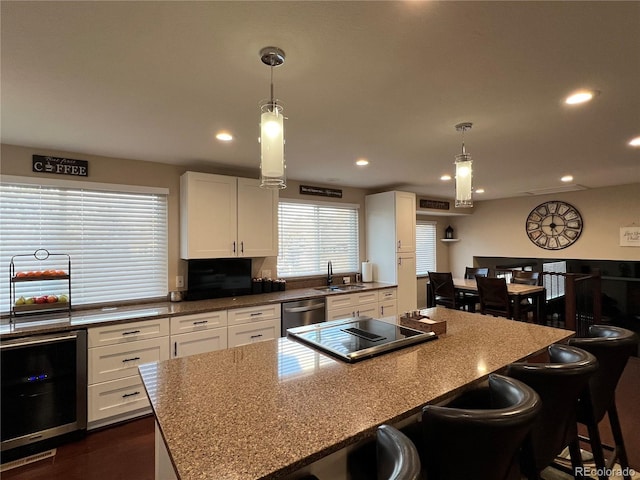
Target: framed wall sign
x,y
630,236
60,166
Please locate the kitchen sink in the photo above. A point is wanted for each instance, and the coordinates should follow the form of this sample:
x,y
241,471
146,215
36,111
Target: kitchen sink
x,y
339,288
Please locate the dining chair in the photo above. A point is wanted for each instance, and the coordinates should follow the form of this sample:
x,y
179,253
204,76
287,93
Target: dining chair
x,y
470,300
559,382
479,434
442,289
494,297
612,346
525,277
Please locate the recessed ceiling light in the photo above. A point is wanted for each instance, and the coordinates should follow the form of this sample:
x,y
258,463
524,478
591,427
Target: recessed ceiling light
x,y
224,136
361,162
445,178
567,178
635,142
479,190
581,96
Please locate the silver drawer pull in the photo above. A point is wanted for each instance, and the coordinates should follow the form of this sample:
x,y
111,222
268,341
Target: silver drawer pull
x,y
201,322
130,394
255,314
256,336
132,332
130,359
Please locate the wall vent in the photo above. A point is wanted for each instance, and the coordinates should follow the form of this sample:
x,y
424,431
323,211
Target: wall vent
x,y
564,188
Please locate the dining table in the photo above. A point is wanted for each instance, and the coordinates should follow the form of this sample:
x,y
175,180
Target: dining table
x,y
517,293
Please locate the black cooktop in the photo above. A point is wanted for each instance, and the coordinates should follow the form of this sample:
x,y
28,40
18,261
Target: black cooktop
x,y
358,338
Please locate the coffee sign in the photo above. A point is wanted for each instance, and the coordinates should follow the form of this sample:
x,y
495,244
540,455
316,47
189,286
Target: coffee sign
x,y
61,166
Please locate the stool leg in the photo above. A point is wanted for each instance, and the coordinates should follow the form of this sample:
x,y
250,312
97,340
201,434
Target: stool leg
x,y
596,448
576,459
619,441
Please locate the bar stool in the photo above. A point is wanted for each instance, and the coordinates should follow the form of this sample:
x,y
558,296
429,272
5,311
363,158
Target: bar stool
x,y
494,297
559,384
612,346
478,434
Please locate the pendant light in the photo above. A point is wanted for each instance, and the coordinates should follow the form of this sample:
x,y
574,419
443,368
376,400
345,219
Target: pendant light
x,y
464,172
272,166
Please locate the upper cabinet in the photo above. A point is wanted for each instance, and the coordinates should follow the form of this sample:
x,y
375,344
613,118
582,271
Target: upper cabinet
x,y
405,203
223,216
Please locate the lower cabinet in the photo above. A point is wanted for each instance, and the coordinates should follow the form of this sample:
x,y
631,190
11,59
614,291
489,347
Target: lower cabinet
x,y
254,324
115,391
208,340
375,304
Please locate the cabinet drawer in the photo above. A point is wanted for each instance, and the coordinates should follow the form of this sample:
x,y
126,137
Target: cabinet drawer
x,y
118,361
253,314
387,294
197,322
339,301
365,297
340,313
127,332
108,399
193,343
253,332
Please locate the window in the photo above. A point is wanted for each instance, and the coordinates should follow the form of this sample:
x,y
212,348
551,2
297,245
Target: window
x,y
425,247
312,234
116,237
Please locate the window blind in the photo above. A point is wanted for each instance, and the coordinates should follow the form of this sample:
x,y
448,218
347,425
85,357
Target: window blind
x,y
311,235
425,247
117,240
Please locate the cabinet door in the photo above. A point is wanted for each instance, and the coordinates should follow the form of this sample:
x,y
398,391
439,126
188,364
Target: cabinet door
x,y
257,219
253,332
407,282
203,341
406,221
367,310
208,218
388,308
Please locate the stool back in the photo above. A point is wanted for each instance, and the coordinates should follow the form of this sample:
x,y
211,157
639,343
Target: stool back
x,y
397,456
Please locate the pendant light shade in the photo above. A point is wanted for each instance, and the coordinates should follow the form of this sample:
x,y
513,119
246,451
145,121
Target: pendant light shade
x,y
464,172
272,165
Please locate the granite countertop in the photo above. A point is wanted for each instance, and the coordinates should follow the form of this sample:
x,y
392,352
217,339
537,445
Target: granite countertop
x,y
265,410
60,322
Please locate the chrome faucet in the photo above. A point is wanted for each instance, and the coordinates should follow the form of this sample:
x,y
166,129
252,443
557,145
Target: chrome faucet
x,y
329,273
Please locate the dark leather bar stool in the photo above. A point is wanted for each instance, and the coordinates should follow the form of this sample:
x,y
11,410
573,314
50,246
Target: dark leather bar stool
x,y
612,346
559,384
478,435
396,458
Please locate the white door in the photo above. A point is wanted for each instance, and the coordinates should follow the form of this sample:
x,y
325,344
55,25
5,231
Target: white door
x,y
257,219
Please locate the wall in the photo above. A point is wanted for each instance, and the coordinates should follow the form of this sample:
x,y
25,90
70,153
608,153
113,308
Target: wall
x,y
497,227
16,160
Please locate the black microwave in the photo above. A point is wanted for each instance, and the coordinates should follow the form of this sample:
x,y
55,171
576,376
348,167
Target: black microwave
x,y
218,277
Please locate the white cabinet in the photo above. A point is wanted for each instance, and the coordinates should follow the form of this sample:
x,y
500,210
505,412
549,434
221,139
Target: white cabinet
x,y
361,304
198,333
391,233
387,302
254,324
115,390
223,216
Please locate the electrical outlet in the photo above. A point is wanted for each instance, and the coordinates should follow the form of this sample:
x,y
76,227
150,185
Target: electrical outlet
x,y
266,273
346,280
179,281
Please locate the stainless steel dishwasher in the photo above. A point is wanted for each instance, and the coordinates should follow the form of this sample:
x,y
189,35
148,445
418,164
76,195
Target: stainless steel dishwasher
x,y
302,312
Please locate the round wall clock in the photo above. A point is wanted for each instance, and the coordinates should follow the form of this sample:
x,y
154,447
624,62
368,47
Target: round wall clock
x,y
554,225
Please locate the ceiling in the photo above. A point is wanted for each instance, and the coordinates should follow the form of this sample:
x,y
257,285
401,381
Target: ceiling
x,y
386,81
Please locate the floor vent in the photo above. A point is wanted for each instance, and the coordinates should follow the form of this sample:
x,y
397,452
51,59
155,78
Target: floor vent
x,y
27,460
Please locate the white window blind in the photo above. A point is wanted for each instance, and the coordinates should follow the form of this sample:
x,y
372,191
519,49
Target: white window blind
x,y
117,241
311,235
425,247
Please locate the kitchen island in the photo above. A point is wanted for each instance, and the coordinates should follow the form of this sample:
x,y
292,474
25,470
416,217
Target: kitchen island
x,y
277,408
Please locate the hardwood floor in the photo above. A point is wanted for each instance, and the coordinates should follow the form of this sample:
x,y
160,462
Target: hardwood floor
x,y
126,451
123,452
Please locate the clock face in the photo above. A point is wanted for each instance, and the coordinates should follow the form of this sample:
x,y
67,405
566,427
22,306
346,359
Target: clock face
x,y
554,225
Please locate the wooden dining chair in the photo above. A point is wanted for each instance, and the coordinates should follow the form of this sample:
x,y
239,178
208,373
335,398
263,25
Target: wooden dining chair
x,y
442,289
523,277
494,297
470,300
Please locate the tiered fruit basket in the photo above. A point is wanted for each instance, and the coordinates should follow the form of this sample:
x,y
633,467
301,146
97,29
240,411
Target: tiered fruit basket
x,y
58,296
